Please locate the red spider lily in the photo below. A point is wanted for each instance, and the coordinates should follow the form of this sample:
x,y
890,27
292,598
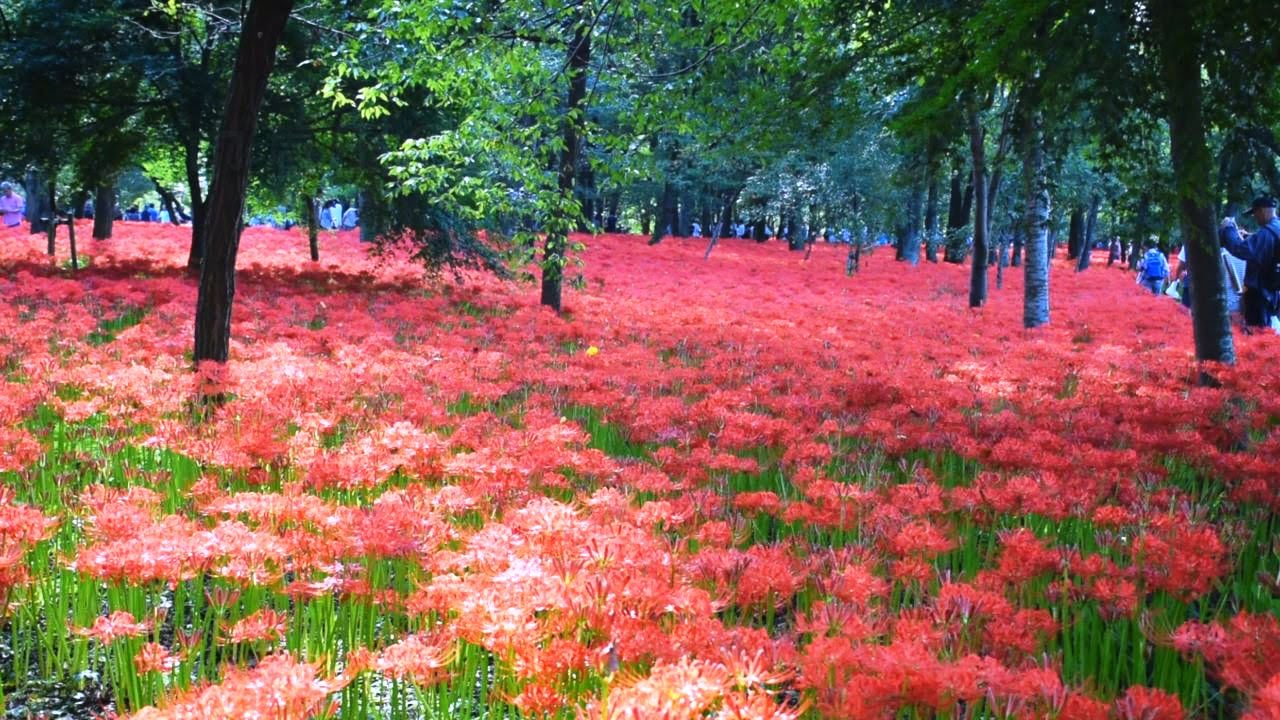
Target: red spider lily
x,y
153,657
118,624
279,687
1140,703
263,626
424,661
1244,652
1266,703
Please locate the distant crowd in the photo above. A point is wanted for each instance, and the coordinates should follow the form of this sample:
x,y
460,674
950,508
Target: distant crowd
x,y
331,215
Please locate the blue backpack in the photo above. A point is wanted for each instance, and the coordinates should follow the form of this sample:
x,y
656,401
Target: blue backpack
x,y
1153,267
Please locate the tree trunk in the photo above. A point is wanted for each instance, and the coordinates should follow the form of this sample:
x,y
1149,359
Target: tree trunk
x,y
262,29
169,200
553,257
1015,258
1075,233
588,214
961,199
931,219
1035,297
1090,225
666,208
1002,262
1178,41
911,239
191,159
955,203
77,203
37,201
53,215
71,241
313,227
978,278
104,211
611,213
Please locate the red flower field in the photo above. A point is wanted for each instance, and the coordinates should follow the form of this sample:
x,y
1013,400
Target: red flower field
x,y
747,487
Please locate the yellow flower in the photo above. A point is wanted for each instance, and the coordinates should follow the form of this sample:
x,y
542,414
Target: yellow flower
x,y
593,350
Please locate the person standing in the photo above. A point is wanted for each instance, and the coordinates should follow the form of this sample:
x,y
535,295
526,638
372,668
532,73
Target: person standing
x,y
1113,254
1154,269
335,215
1258,250
11,205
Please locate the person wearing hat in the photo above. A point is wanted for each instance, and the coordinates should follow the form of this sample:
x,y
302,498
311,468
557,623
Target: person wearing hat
x,y
11,206
1258,250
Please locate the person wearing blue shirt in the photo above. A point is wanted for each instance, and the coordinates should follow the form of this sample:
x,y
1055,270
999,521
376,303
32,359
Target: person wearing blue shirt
x,y
1258,250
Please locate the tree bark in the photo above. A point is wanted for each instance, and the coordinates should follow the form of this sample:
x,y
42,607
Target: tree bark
x,y
104,211
1075,233
77,203
958,213
977,145
313,227
1090,225
955,203
262,29
931,218
911,238
169,200
611,216
553,257
1035,297
52,199
191,153
666,208
37,202
1178,41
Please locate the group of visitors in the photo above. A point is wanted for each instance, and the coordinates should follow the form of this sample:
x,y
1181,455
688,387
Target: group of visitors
x,y
334,217
1259,288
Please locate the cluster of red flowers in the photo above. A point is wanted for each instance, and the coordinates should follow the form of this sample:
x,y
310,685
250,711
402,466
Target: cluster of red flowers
x,y
789,491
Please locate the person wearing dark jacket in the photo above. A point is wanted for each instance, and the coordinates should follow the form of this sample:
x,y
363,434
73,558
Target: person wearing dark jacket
x,y
1258,250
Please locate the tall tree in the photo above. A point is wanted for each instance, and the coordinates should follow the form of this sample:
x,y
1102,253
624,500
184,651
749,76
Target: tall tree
x,y
1035,305
1179,41
553,257
978,274
262,30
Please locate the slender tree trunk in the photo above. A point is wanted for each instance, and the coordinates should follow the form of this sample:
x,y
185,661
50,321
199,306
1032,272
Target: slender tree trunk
x,y
978,279
666,208
104,211
71,241
1075,233
1090,224
1015,259
313,227
77,203
931,218
53,215
611,213
262,29
958,213
553,257
911,238
1002,260
191,159
1035,298
588,214
169,200
955,202
37,202
1178,41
